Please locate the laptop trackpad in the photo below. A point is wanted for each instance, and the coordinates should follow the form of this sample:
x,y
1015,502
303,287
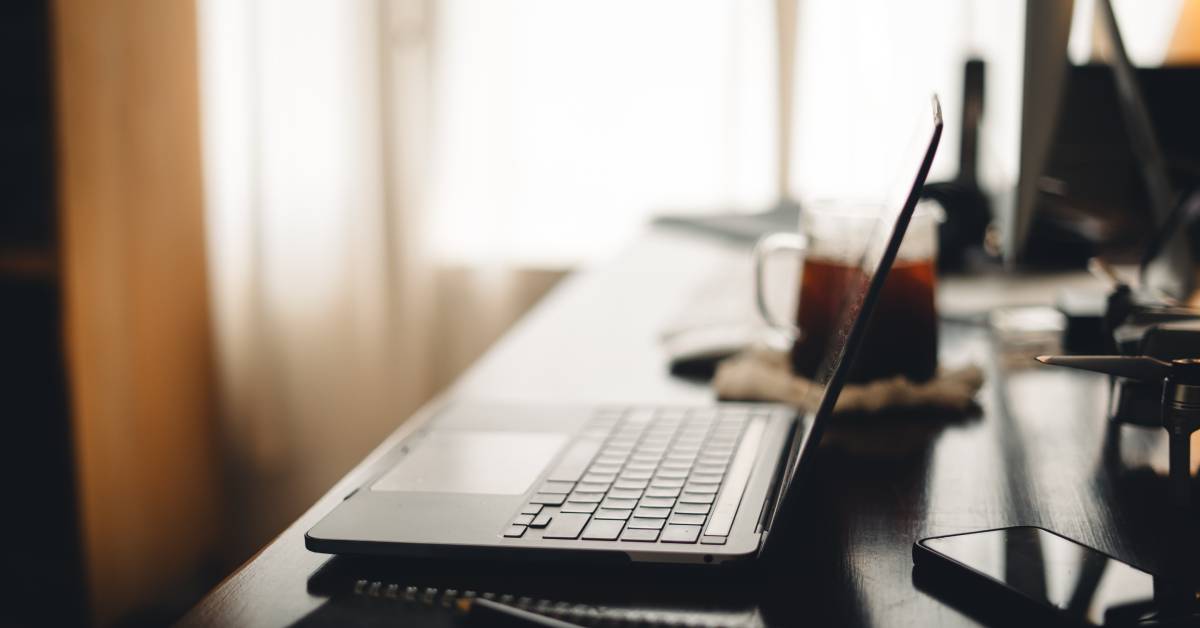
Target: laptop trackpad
x,y
469,461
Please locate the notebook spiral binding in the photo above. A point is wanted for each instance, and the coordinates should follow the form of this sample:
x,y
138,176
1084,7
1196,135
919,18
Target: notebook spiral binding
x,y
585,614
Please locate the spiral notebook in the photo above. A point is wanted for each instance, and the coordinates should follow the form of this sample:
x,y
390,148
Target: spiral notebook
x,y
367,591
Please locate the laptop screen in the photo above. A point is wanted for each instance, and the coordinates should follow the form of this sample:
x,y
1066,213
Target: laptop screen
x,y
875,254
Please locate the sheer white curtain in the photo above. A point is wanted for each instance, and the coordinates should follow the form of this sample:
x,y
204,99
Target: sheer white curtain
x,y
561,125
320,295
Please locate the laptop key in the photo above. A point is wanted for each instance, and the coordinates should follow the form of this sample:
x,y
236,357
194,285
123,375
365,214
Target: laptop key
x,y
639,416
701,487
625,493
657,502
604,468
514,531
645,523
697,498
639,534
548,499
709,539
584,507
556,488
613,513
661,482
592,487
566,526
692,509
686,519
652,513
659,491
531,509
618,503
673,474
603,530
522,520
680,534
589,498
637,475
638,484
540,521
599,477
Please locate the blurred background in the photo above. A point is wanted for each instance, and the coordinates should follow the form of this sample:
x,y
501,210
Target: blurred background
x,y
242,240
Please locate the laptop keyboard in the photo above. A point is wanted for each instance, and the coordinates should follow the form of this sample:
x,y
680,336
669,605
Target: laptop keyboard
x,y
647,475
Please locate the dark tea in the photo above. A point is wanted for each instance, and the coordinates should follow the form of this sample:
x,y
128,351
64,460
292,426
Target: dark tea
x,y
901,337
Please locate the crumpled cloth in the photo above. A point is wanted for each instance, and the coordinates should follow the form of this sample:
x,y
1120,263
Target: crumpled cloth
x,y
764,375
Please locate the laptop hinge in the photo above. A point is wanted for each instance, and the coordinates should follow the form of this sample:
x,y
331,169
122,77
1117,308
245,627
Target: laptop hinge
x,y
773,495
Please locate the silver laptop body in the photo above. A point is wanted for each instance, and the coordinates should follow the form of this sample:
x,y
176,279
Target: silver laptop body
x,y
657,484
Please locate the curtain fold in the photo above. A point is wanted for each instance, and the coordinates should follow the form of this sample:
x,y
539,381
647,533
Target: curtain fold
x,y
332,320
314,291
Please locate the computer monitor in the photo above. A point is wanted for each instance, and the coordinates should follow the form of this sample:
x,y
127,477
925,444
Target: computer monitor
x,y
1047,75
1047,33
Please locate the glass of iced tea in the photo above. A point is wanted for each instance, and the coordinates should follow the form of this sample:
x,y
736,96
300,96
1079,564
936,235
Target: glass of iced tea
x,y
902,336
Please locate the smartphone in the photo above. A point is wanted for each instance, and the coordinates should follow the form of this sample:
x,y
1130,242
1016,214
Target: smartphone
x,y
1033,572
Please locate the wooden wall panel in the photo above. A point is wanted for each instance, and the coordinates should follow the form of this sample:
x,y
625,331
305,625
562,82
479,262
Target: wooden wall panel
x,y
136,325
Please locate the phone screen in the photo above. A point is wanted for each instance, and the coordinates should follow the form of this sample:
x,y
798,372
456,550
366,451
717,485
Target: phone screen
x,y
1048,568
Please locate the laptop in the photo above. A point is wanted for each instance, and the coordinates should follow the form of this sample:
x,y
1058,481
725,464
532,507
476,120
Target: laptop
x,y
655,484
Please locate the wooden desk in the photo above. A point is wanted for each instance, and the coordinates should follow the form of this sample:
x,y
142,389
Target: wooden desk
x,y
1040,453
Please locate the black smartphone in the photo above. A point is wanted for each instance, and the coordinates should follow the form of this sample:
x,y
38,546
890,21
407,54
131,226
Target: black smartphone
x,y
1026,571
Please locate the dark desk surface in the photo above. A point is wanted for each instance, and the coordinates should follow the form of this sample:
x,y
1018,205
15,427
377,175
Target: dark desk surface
x,y
1039,453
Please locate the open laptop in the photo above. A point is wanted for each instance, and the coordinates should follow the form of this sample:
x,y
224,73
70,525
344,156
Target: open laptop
x,y
650,484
